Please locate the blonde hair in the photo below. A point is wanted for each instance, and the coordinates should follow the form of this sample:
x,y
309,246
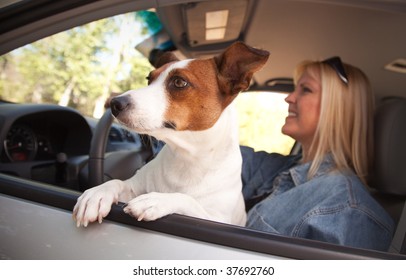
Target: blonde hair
x,y
345,127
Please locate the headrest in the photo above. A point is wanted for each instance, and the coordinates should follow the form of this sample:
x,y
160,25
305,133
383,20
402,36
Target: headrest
x,y
389,174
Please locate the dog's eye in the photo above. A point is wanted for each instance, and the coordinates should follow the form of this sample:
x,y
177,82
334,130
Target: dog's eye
x,y
179,83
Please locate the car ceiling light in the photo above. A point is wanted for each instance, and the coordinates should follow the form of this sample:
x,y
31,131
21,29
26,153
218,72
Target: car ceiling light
x,y
216,23
213,22
215,34
216,19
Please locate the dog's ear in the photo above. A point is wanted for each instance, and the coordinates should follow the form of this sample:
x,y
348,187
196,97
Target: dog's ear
x,y
158,58
237,64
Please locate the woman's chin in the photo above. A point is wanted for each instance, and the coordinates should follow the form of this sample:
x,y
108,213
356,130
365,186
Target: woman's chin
x,y
287,129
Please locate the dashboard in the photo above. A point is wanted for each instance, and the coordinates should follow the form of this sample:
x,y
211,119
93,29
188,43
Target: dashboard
x,y
38,136
50,143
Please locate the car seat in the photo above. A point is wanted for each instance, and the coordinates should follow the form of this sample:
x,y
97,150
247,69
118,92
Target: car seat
x,y
388,179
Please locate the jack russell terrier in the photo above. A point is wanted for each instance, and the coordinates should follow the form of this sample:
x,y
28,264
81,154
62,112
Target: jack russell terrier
x,y
198,171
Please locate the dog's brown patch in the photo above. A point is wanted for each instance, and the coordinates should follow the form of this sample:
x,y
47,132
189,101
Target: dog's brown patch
x,y
199,92
195,101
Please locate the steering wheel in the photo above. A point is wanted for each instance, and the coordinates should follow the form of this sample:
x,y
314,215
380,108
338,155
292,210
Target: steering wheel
x,y
97,149
133,160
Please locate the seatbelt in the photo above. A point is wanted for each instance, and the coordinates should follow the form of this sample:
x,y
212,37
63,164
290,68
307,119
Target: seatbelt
x,y
398,244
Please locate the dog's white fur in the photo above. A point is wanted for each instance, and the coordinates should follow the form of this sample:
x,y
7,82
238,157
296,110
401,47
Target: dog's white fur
x,y
197,173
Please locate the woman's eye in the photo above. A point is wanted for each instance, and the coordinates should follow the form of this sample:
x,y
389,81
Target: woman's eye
x,y
306,89
179,83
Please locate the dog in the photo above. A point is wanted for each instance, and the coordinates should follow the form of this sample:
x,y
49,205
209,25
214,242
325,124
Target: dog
x,y
198,172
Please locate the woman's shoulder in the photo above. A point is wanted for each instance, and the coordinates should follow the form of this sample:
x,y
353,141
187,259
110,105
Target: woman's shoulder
x,y
346,184
344,188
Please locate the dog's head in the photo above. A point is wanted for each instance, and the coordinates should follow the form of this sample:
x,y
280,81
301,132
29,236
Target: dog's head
x,y
188,94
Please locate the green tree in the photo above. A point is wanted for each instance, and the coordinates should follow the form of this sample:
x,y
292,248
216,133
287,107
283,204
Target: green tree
x,y
79,67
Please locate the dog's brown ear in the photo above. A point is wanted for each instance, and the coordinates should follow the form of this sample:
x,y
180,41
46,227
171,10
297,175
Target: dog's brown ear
x,y
237,64
158,58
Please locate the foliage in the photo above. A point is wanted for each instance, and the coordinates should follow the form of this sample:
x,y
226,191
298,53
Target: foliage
x,y
75,67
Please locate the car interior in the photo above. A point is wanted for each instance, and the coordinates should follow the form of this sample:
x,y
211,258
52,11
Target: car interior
x,y
389,179
368,34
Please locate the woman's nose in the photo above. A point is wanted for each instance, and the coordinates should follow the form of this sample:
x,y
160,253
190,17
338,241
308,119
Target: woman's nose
x,y
291,97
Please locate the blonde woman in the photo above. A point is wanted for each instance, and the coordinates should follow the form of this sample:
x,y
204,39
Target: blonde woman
x,y
321,194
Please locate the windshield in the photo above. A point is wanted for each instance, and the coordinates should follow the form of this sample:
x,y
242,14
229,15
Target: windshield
x,y
80,67
84,66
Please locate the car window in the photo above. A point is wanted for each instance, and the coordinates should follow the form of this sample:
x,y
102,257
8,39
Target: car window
x,y
80,67
261,117
83,66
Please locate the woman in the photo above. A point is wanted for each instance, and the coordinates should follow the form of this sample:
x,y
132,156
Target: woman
x,y
321,194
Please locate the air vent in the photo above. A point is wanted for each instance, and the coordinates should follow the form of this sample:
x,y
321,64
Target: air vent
x,y
115,135
398,65
128,135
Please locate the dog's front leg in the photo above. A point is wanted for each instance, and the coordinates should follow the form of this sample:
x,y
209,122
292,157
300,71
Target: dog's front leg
x,y
95,203
152,206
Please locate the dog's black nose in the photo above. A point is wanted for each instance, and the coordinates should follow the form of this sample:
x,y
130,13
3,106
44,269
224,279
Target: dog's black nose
x,y
119,104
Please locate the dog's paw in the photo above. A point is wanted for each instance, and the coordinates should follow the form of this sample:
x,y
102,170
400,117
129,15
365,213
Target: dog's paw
x,y
150,206
95,204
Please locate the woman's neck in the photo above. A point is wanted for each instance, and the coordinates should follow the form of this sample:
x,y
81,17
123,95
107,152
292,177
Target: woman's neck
x,y
307,153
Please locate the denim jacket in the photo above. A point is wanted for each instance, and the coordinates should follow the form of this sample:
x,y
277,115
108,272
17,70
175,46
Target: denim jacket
x,y
333,206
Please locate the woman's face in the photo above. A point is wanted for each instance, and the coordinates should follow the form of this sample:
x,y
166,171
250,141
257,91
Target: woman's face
x,y
304,110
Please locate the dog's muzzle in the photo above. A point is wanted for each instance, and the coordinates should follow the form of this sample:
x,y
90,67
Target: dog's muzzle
x,y
119,104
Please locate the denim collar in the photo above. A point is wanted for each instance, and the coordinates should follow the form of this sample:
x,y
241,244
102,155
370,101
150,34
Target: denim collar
x,y
299,172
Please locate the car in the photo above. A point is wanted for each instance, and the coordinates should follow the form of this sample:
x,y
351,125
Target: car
x,y
51,153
